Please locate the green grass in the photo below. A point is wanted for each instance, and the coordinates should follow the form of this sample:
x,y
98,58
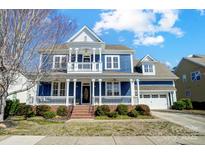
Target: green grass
x,y
123,117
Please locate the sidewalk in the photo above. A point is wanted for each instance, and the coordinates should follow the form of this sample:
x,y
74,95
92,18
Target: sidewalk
x,y
101,140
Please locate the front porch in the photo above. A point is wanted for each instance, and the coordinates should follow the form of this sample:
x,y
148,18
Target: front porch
x,y
86,92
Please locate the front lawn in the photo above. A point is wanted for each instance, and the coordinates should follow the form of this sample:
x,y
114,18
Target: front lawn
x,y
123,117
40,126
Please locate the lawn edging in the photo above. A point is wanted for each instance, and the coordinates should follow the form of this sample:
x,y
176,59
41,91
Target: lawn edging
x,y
193,112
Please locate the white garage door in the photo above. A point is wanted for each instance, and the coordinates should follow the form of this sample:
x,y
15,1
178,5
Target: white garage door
x,y
155,101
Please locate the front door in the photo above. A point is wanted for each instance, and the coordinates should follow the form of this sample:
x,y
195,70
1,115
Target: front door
x,y
86,94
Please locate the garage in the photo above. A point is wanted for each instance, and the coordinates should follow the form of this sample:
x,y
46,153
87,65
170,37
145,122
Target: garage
x,y
155,101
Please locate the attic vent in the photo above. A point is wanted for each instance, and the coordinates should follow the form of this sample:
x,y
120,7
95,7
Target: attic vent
x,y
85,38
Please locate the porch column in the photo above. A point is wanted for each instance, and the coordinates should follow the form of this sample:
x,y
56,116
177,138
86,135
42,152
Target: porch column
x,y
74,92
132,91
100,91
76,58
174,97
36,93
138,90
93,63
93,91
67,92
70,54
100,59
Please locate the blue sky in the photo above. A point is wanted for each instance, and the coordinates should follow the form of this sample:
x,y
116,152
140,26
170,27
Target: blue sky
x,y
176,33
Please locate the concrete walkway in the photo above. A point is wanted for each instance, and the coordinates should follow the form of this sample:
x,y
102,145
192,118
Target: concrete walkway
x,y
100,140
193,122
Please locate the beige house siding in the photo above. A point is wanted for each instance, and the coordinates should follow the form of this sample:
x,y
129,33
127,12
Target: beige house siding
x,y
197,88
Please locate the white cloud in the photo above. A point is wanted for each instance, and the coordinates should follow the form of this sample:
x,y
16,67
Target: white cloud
x,y
202,12
144,24
168,64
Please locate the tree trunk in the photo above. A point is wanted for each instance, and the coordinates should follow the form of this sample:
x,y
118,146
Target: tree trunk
x,y
2,106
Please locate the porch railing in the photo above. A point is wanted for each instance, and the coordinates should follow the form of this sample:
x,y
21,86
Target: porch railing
x,y
53,100
113,100
84,67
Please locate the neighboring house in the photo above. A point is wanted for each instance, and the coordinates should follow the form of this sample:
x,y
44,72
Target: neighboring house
x,y
85,70
19,84
191,71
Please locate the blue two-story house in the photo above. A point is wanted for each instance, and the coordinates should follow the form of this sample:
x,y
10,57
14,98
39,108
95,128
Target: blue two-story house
x,y
85,70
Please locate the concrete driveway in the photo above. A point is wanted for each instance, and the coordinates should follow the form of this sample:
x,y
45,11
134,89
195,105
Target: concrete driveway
x,y
194,122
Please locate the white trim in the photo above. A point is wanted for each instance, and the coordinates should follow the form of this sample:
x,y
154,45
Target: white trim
x,y
59,88
112,62
60,62
148,56
84,27
148,73
119,86
131,60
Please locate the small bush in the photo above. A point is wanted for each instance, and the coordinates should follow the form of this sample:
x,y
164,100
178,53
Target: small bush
x,y
122,109
49,115
29,112
102,110
179,105
188,103
112,114
11,108
62,111
41,109
133,113
21,109
143,109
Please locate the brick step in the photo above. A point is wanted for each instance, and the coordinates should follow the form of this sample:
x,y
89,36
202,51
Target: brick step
x,y
83,109
82,114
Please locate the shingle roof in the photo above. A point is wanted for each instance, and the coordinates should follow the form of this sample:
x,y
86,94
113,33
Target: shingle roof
x,y
161,71
116,47
107,47
200,60
156,88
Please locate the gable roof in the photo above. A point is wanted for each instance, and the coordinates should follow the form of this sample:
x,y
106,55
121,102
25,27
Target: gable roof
x,y
85,28
161,71
197,59
148,58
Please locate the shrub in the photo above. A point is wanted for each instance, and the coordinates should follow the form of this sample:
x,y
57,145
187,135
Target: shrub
x,y
133,113
11,107
122,109
143,109
29,112
62,111
112,114
49,115
179,105
102,110
21,109
41,109
188,103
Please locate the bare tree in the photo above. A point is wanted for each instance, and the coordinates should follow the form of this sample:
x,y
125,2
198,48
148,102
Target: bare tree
x,y
22,34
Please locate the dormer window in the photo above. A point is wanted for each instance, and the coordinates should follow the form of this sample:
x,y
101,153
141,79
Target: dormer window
x,y
148,69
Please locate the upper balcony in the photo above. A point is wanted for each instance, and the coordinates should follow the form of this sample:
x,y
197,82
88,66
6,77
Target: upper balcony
x,y
84,67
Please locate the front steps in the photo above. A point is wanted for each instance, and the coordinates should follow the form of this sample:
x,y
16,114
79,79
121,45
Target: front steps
x,y
82,112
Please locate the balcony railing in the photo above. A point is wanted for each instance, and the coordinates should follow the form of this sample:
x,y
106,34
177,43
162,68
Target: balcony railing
x,y
84,67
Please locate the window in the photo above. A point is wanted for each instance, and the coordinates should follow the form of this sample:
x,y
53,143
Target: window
x,y
116,89
187,93
55,89
62,89
59,61
59,89
195,76
148,68
155,96
184,77
146,96
113,89
86,58
112,62
163,96
109,88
